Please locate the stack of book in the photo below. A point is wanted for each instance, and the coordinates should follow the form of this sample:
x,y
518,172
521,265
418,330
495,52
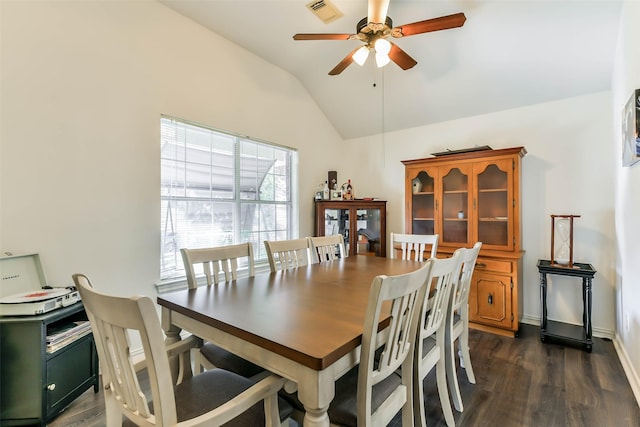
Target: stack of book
x,y
65,334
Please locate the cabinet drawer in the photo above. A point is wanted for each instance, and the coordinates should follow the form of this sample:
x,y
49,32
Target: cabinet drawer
x,y
494,265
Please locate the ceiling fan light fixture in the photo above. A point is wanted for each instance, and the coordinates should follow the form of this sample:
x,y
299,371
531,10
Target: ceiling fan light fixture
x,y
361,55
382,59
382,46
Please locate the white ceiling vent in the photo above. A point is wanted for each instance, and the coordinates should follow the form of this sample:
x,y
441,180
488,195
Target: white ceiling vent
x,y
325,10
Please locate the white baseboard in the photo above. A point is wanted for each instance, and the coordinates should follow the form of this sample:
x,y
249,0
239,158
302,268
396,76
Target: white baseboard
x,y
627,366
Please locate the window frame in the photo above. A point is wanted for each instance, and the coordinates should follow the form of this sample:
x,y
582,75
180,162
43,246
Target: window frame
x,y
170,273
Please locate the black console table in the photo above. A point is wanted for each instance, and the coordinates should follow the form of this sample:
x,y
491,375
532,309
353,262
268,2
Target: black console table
x,y
559,330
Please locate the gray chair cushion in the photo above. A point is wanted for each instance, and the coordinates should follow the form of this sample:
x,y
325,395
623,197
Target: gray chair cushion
x,y
343,409
224,359
210,389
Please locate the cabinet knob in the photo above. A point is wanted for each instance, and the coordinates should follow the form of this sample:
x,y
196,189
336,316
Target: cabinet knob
x,y
490,299
51,387
481,265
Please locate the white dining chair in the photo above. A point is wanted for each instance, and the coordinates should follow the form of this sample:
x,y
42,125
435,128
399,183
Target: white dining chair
x,y
457,324
413,243
220,263
327,248
214,397
284,254
430,345
373,392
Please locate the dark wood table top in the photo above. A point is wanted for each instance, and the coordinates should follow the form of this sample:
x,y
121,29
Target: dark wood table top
x,y
313,315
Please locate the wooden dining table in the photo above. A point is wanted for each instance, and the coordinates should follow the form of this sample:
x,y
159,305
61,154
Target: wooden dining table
x,y
304,324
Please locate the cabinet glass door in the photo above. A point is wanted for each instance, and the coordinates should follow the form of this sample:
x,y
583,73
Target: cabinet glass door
x,y
494,208
455,206
368,229
423,204
336,221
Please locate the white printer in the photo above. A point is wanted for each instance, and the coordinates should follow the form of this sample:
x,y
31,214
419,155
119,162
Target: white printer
x,y
24,290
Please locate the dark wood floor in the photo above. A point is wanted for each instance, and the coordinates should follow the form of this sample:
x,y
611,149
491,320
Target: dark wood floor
x,y
520,382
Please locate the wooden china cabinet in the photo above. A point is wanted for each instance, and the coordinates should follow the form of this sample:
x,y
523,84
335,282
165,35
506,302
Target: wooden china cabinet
x,y
468,197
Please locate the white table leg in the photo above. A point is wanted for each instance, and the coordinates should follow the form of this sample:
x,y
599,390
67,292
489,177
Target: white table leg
x,y
316,390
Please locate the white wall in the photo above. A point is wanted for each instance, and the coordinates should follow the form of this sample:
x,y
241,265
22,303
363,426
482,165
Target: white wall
x,y
568,170
626,78
83,86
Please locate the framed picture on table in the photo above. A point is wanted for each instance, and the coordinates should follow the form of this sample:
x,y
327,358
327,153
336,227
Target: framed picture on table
x,y
631,130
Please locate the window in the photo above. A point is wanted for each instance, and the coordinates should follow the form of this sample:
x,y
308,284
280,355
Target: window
x,y
219,189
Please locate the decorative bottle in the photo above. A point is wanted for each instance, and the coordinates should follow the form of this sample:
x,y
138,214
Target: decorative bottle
x,y
349,190
325,191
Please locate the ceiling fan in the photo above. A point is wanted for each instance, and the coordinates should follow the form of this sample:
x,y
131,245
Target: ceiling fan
x,y
374,30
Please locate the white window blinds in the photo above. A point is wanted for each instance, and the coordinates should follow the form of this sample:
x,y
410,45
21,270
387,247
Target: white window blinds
x,y
220,189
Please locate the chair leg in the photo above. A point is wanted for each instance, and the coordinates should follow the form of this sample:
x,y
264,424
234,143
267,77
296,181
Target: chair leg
x,y
196,361
452,375
112,410
441,375
418,397
464,348
272,416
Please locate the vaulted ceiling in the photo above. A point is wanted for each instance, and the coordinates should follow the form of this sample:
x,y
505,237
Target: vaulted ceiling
x,y
509,53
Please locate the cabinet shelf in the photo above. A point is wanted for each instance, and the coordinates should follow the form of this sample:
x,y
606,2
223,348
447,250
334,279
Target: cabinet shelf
x,y
496,219
455,192
423,219
493,190
423,193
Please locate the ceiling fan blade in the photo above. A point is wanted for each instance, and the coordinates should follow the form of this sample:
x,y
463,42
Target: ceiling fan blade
x,y
435,24
321,36
377,11
343,64
401,57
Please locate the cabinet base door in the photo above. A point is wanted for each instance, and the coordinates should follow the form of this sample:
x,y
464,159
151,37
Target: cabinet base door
x,y
69,374
490,300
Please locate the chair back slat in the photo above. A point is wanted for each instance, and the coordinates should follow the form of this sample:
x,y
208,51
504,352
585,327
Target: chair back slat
x,y
416,244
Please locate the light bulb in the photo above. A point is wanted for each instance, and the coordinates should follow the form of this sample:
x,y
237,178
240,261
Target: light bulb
x,y
382,46
382,59
360,55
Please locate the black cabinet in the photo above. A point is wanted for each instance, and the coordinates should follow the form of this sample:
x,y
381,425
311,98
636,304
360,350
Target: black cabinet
x,y
35,384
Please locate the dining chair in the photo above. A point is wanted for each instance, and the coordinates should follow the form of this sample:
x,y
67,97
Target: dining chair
x,y
413,243
373,392
457,324
327,248
217,262
220,263
214,397
284,254
430,345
